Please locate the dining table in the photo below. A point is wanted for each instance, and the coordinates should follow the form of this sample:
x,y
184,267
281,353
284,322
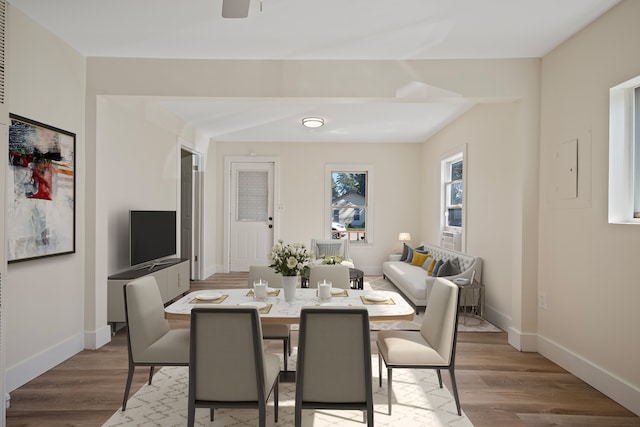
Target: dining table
x,y
382,306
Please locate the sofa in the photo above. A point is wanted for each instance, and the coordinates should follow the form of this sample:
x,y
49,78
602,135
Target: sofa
x,y
413,278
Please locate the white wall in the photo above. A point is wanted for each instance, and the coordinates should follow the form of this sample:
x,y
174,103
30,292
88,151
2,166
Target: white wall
x,y
587,299
488,130
589,268
43,299
144,172
396,192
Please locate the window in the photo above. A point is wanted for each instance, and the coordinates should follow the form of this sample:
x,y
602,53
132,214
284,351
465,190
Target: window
x,y
453,192
453,183
636,151
624,153
349,203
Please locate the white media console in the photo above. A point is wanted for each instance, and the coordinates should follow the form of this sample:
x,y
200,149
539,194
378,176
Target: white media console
x,y
173,280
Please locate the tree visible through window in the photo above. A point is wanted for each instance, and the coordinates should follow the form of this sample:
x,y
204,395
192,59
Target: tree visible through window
x,y
349,205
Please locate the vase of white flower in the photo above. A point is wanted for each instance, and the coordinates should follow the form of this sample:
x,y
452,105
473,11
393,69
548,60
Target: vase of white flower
x,y
289,260
289,283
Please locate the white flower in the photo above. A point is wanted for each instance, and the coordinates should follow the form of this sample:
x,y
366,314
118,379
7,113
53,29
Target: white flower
x,y
289,260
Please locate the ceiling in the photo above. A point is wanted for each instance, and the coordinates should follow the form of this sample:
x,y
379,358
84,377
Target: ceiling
x,y
317,29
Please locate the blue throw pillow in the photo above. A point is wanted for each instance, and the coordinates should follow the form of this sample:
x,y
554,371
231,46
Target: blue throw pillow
x,y
436,268
409,256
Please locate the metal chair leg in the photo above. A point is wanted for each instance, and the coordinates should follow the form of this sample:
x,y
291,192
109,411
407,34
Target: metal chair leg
x,y
128,386
389,391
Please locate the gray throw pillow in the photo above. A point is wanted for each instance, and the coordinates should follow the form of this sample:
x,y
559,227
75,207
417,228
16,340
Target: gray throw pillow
x,y
455,265
451,267
405,252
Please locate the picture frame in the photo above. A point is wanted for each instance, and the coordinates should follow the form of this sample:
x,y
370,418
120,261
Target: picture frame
x,y
41,185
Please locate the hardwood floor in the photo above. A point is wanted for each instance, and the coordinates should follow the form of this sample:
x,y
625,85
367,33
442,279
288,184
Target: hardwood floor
x,y
498,385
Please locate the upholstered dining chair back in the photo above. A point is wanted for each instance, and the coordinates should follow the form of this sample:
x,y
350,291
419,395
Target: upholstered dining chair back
x,y
257,272
324,247
439,325
145,312
150,341
337,274
228,366
334,361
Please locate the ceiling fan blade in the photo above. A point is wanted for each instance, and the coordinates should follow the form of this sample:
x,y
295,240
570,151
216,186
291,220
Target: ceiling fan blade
x,y
235,8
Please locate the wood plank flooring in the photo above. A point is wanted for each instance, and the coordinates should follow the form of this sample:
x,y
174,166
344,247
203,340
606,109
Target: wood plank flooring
x,y
498,385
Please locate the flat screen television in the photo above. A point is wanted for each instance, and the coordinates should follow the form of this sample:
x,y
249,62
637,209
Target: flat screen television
x,y
152,236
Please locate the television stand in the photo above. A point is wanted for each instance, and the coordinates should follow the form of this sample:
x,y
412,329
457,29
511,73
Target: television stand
x,y
172,275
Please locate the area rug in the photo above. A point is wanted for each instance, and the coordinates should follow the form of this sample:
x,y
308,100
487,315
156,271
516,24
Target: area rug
x,y
418,401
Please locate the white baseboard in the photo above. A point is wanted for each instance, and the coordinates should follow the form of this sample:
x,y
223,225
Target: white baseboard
x,y
526,342
496,317
616,388
23,372
96,339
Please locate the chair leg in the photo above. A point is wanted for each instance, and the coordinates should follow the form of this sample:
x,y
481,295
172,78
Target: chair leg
x,y
455,389
211,414
439,377
285,344
128,386
379,370
298,416
389,391
275,401
191,414
150,374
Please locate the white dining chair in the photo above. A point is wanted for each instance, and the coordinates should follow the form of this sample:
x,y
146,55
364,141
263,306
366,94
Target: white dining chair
x,y
334,361
337,274
228,367
150,341
432,347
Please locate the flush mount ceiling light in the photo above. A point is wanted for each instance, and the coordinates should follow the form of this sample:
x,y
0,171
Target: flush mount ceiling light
x,y
312,122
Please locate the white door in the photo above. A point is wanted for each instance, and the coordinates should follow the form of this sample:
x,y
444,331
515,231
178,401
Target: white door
x,y
251,215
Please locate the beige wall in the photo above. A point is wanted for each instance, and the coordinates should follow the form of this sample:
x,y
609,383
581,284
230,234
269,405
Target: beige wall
x,y
588,268
585,267
43,310
489,133
396,192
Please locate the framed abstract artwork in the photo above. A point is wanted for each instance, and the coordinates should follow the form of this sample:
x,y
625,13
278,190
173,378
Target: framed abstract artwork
x,y
41,212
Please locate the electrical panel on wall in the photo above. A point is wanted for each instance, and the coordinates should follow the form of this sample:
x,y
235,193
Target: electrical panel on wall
x,y
566,170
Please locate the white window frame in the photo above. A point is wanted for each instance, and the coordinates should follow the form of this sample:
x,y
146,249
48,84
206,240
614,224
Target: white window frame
x,y
369,208
446,160
624,153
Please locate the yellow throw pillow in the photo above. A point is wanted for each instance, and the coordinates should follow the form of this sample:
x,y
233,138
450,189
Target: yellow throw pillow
x,y
418,259
431,266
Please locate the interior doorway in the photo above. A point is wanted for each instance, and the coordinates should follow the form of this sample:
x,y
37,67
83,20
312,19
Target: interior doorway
x,y
190,203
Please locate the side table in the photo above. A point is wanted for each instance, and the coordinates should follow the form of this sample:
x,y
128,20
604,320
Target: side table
x,y
472,301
